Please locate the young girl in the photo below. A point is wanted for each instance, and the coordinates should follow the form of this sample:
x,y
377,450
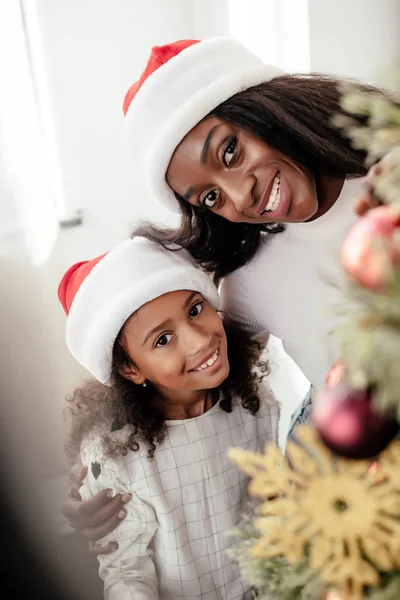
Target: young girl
x,y
180,389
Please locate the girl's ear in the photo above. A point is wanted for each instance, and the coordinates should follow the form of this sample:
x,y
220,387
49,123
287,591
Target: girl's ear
x,y
132,373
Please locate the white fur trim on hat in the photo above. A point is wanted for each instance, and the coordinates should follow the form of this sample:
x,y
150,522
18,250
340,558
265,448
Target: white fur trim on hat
x,y
134,273
177,96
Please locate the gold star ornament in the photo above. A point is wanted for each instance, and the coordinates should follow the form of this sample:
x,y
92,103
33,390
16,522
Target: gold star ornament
x,y
340,515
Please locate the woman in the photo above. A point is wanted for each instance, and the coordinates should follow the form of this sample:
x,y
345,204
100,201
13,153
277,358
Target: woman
x,y
243,151
265,185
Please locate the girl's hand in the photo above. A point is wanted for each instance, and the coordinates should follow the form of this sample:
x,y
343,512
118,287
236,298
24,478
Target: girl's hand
x,y
96,517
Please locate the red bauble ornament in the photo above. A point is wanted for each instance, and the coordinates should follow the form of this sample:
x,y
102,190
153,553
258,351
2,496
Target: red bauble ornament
x,y
348,424
369,251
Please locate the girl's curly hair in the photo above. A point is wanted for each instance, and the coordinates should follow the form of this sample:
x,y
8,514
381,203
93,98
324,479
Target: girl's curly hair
x,y
109,408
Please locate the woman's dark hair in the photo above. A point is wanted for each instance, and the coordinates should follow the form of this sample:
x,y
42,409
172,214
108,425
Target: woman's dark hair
x,y
293,114
108,408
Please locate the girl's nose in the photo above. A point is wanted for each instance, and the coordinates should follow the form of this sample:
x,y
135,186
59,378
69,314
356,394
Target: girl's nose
x,y
196,341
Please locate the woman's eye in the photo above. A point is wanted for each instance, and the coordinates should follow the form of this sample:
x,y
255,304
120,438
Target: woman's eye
x,y
210,199
229,152
196,310
163,340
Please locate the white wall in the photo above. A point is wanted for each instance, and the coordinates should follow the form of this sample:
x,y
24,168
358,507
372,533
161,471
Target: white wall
x,y
275,30
95,49
210,18
357,38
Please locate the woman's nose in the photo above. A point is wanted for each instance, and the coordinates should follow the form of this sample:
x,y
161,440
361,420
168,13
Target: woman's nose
x,y
240,191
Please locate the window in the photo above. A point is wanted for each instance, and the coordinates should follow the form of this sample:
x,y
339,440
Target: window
x,y
31,198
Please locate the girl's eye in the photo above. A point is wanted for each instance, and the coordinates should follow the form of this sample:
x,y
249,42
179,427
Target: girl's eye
x,y
210,199
163,340
229,152
196,310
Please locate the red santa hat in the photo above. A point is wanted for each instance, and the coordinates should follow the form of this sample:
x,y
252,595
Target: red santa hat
x,y
182,83
99,295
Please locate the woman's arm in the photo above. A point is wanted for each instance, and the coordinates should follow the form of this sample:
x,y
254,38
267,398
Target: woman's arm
x,y
96,517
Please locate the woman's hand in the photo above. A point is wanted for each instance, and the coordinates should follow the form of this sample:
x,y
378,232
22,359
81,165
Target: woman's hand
x,y
367,198
96,517
366,201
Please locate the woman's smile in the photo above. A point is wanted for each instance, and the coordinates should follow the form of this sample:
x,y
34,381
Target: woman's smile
x,y
276,200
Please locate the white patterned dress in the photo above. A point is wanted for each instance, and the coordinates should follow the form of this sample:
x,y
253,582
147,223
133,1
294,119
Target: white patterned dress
x,y
173,542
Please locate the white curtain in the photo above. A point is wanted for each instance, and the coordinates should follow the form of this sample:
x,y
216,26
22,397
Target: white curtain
x,y
30,183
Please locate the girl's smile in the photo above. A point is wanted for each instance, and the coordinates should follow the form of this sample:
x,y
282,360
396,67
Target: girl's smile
x,y
207,363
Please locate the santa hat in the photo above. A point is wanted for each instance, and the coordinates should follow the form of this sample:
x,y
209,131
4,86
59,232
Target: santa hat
x,y
99,295
182,83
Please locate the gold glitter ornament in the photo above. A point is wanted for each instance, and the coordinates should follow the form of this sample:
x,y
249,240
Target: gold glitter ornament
x,y
339,513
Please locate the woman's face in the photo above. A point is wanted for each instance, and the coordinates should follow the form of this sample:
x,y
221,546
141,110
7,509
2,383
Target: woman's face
x,y
236,175
178,343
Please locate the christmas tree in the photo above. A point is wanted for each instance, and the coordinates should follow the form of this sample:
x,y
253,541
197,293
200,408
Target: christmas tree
x,y
328,527
365,402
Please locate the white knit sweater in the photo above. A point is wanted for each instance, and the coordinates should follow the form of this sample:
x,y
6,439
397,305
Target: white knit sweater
x,y
290,288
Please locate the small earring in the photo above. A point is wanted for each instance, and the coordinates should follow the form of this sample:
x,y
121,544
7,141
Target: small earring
x,y
144,384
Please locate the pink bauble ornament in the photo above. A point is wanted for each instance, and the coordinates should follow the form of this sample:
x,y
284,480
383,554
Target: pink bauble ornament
x,y
370,251
348,424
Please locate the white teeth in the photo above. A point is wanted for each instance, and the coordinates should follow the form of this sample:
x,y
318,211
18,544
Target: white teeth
x,y
209,362
275,195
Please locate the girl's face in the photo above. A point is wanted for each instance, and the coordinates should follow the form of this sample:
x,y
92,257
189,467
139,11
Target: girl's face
x,y
178,343
236,175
